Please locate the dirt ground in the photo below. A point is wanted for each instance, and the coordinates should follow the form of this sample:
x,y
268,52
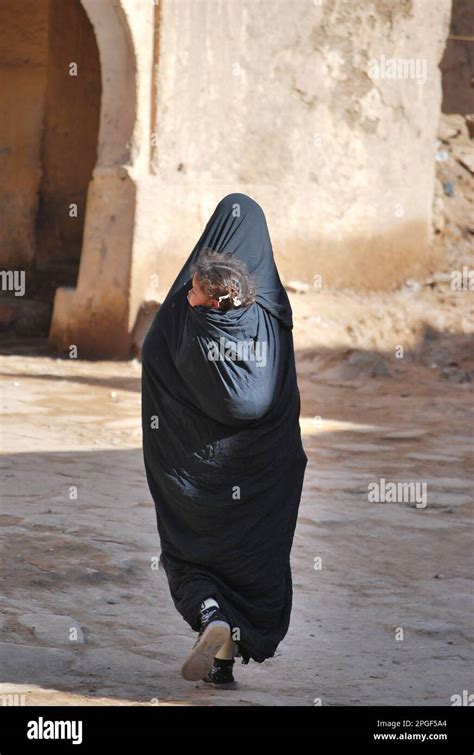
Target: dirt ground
x,y
86,619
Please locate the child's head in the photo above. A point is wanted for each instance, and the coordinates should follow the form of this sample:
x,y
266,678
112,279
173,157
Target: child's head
x,y
220,280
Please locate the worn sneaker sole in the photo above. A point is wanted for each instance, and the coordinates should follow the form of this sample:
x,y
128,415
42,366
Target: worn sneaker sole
x,y
199,661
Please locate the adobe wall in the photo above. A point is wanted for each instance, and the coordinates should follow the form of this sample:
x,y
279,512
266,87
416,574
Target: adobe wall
x,y
279,100
23,69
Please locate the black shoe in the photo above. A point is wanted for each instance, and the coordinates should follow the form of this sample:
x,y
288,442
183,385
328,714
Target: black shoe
x,y
214,631
221,675
208,616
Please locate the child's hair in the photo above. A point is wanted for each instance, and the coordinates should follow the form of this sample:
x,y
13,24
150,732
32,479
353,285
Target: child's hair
x,y
221,274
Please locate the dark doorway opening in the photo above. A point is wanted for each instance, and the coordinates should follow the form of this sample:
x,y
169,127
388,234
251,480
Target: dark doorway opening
x,y
52,122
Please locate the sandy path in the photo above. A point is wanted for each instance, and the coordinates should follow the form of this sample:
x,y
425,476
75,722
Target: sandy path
x,y
86,564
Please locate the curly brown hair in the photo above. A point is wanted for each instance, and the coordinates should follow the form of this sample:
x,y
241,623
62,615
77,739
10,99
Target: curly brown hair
x,y
221,274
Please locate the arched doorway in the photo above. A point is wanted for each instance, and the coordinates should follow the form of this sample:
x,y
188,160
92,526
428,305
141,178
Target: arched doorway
x,y
50,74
69,139
93,316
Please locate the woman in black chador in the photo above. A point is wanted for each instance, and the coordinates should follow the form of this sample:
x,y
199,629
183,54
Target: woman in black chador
x,y
222,444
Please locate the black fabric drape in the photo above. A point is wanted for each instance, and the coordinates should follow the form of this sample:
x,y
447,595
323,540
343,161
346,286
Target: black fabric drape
x,y
221,440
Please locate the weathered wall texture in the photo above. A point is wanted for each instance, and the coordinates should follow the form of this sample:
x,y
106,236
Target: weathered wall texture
x,y
274,99
69,132
23,63
48,128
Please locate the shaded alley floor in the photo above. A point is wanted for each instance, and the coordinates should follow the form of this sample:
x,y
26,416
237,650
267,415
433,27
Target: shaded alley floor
x,y
86,564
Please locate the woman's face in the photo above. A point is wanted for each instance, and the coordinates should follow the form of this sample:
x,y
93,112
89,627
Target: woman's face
x,y
196,296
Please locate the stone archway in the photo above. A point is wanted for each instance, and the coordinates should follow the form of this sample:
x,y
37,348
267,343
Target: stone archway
x,y
93,316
